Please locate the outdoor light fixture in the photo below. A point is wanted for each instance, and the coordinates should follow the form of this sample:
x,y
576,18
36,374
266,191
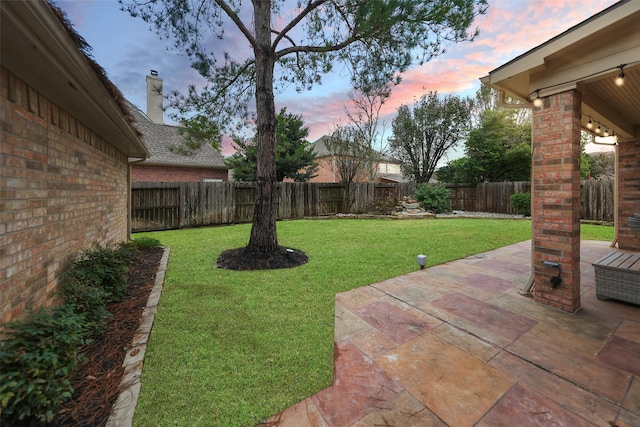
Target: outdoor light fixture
x,y
590,124
422,261
598,129
537,101
620,79
555,280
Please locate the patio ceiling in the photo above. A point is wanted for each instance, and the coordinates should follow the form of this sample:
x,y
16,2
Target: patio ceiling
x,y
586,57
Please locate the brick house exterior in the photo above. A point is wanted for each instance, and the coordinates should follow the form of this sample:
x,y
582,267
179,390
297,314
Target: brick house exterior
x,y
165,163
570,83
65,144
388,169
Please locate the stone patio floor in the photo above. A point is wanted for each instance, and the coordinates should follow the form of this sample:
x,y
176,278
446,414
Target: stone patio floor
x,y
455,345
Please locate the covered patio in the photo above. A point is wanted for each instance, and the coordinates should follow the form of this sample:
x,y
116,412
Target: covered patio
x,y
456,345
585,79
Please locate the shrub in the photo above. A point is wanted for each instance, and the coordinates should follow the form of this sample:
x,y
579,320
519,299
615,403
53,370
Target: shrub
x,y
146,242
95,279
521,203
37,358
433,197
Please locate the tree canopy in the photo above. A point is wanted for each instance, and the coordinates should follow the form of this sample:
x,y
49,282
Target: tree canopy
x,y
274,43
294,159
498,150
422,135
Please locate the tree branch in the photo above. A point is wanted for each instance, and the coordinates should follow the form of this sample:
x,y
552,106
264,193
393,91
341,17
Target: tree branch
x,y
310,7
236,20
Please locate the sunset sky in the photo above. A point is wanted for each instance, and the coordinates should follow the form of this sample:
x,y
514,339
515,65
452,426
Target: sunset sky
x,y
127,49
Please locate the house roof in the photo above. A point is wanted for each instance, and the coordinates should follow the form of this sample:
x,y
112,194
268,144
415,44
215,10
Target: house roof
x,y
320,147
586,57
159,138
39,45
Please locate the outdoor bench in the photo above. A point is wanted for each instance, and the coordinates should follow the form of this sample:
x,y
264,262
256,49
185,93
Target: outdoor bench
x,y
618,277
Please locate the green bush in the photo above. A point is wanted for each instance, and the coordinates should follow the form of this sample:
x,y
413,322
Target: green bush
x,y
95,279
434,197
146,242
37,358
521,203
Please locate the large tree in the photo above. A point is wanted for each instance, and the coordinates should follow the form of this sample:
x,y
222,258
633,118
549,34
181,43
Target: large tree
x,y
289,42
294,159
422,135
498,150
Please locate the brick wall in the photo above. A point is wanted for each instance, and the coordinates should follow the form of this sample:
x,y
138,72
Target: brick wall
x,y
556,199
62,189
156,173
628,193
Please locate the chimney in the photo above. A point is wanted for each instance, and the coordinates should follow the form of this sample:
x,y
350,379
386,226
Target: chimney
x,y
154,97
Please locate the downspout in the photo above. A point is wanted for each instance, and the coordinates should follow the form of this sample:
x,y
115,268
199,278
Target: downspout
x,y
527,288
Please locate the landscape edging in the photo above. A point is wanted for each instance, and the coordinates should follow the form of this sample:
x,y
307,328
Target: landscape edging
x,y
125,406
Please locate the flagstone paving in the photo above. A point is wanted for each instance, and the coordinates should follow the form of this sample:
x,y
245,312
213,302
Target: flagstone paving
x,y
456,345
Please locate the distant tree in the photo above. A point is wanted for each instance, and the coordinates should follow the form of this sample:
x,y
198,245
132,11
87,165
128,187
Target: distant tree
x,y
294,159
349,154
422,135
295,44
602,165
498,150
364,120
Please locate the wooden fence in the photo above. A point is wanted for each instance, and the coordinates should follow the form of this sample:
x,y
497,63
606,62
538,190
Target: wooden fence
x,y
597,198
159,206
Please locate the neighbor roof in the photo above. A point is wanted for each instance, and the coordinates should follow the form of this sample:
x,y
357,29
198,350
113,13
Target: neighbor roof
x,y
320,147
159,138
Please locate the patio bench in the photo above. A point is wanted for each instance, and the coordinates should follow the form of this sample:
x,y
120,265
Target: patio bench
x,y
618,277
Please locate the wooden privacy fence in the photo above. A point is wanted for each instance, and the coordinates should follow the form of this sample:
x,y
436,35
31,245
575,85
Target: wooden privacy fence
x,y
597,198
160,206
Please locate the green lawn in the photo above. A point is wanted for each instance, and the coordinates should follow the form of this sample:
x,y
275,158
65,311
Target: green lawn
x,y
232,348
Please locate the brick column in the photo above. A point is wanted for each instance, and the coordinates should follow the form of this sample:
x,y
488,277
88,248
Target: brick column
x,y
556,199
628,193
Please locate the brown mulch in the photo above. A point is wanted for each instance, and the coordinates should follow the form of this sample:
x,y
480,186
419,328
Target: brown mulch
x,y
97,382
245,259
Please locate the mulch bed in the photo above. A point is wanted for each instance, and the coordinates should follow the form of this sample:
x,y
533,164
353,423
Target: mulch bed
x,y
97,381
245,259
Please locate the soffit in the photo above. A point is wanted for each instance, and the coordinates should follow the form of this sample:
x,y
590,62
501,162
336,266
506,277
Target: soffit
x,y
37,48
585,57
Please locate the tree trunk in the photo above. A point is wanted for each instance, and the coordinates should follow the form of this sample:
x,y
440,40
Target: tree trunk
x,y
263,231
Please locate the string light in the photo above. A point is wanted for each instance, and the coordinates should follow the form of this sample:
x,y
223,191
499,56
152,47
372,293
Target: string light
x,y
590,124
606,132
620,79
598,128
537,102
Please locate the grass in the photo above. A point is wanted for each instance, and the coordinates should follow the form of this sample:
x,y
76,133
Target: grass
x,y
232,348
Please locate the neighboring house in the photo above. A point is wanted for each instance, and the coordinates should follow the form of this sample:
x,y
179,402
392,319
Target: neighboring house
x,y
65,143
165,163
388,169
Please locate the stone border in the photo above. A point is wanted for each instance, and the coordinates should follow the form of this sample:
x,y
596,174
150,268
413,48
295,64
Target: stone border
x,y
125,406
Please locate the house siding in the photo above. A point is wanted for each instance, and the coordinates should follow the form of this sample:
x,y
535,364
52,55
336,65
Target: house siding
x,y
157,173
63,188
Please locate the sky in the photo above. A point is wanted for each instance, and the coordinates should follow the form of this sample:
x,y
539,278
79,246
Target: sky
x,y
128,49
